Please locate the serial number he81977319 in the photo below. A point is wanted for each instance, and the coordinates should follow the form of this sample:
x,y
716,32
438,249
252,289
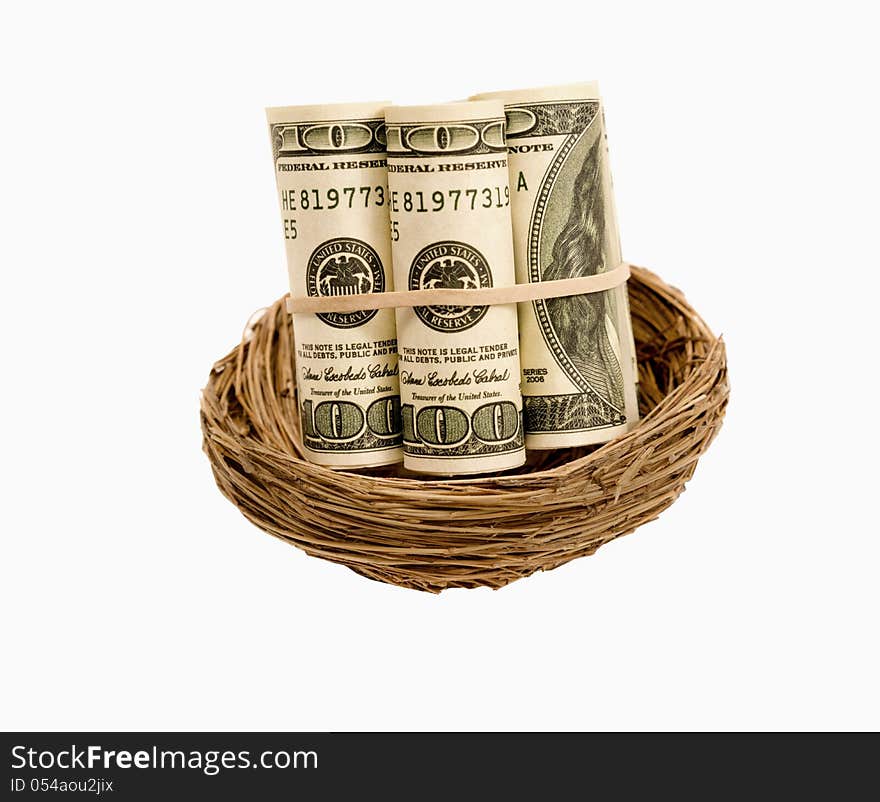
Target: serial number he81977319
x,y
454,199
318,200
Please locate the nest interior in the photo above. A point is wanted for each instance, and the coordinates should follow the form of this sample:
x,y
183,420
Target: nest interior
x,y
431,534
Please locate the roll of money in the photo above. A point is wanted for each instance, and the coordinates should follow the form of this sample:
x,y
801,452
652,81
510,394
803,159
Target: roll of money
x,y
578,353
450,227
330,168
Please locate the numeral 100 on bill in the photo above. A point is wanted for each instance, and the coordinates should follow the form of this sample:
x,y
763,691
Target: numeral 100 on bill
x,y
496,422
338,421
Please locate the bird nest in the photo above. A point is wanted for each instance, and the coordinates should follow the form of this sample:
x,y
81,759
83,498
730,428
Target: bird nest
x,y
431,534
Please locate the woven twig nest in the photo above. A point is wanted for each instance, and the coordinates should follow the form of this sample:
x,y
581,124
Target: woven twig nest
x,y
432,534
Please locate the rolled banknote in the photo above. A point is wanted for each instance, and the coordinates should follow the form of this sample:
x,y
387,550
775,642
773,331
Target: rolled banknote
x,y
578,354
330,169
450,227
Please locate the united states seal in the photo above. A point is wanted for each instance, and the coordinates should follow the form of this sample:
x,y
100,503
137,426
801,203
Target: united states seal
x,y
344,266
453,265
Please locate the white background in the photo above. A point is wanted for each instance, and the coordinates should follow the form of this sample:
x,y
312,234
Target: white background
x,y
140,230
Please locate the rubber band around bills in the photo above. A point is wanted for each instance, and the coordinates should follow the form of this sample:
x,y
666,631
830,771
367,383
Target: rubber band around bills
x,y
444,296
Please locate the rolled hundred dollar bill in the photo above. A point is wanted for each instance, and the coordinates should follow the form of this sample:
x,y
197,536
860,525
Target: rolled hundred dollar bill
x,y
450,227
330,169
578,354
